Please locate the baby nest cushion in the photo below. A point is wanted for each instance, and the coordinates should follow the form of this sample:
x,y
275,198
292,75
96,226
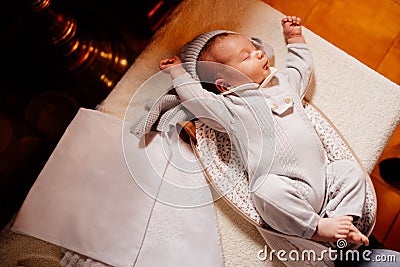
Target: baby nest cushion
x,y
227,175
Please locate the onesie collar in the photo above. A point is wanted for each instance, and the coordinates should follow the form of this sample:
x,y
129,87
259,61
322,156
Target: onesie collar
x,y
248,86
268,79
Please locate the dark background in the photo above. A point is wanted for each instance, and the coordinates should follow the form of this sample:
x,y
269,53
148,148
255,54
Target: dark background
x,y
39,96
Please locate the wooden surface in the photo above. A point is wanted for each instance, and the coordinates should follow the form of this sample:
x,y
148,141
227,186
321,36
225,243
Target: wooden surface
x,y
367,30
370,32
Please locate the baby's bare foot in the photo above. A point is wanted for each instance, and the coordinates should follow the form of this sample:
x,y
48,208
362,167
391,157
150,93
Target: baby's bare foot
x,y
355,236
332,229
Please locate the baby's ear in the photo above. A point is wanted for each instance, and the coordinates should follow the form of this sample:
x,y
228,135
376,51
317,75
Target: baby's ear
x,y
222,85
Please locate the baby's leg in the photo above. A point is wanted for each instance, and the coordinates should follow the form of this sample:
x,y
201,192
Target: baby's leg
x,y
346,189
346,196
284,207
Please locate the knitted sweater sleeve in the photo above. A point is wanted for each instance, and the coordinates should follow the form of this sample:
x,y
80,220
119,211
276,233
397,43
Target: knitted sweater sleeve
x,y
208,107
300,67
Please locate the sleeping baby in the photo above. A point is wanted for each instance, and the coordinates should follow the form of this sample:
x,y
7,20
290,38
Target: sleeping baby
x,y
253,101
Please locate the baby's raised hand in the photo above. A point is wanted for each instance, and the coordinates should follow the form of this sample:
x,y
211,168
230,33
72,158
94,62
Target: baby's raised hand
x,y
169,62
173,66
292,29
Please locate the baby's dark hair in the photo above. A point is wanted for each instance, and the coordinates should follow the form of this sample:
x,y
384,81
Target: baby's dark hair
x,y
207,81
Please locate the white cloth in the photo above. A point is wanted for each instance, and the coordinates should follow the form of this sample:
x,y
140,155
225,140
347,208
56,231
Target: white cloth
x,y
86,200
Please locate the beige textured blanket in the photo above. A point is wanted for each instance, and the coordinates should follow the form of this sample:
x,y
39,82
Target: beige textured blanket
x,y
362,104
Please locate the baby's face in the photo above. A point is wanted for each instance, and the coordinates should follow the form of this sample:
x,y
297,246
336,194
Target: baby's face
x,y
238,52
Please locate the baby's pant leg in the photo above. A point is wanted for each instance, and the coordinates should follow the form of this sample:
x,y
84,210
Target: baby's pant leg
x,y
284,208
346,189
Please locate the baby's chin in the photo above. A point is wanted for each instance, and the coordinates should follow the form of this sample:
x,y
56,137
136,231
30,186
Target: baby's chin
x,y
266,73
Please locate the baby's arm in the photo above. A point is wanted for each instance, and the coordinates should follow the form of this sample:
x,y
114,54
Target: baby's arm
x,y
300,64
207,106
292,30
